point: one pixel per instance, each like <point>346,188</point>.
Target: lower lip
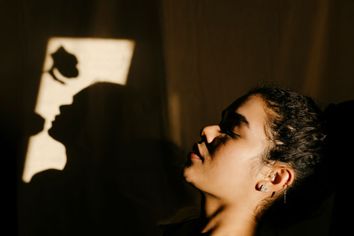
<point>55,119</point>
<point>194,156</point>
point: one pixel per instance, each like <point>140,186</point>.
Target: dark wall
<point>12,65</point>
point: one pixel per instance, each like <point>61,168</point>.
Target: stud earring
<point>263,188</point>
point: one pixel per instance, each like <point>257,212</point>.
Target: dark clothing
<point>187,228</point>
<point>186,222</point>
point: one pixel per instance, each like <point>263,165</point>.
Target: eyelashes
<point>227,124</point>
<point>231,134</point>
<point>221,139</point>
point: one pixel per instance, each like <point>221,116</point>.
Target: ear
<point>279,178</point>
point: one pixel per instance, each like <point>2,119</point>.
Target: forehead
<point>253,109</point>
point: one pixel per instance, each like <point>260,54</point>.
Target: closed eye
<point>230,133</point>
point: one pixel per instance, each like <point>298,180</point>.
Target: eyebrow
<point>242,119</point>
<point>237,117</point>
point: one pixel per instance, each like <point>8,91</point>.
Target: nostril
<point>202,139</point>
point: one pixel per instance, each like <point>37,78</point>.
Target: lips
<point>56,118</point>
<point>195,150</point>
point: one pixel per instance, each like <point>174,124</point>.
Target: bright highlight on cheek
<point>70,65</point>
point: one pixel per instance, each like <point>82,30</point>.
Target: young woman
<point>268,142</point>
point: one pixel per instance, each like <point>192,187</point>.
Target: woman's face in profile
<point>66,124</point>
<point>228,160</point>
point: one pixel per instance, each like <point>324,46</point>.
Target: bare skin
<point>231,174</point>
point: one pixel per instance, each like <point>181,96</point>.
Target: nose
<point>210,132</point>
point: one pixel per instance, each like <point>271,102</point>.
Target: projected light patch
<point>70,65</point>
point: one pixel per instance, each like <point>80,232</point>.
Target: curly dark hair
<point>295,127</point>
<point>297,130</point>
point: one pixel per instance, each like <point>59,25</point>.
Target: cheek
<point>235,165</point>
<point>230,179</point>
<point>231,167</point>
<point>231,170</point>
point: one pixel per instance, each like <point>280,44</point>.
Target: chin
<point>191,177</point>
<point>188,174</point>
<point>52,132</point>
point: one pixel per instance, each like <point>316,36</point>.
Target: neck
<point>227,218</point>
